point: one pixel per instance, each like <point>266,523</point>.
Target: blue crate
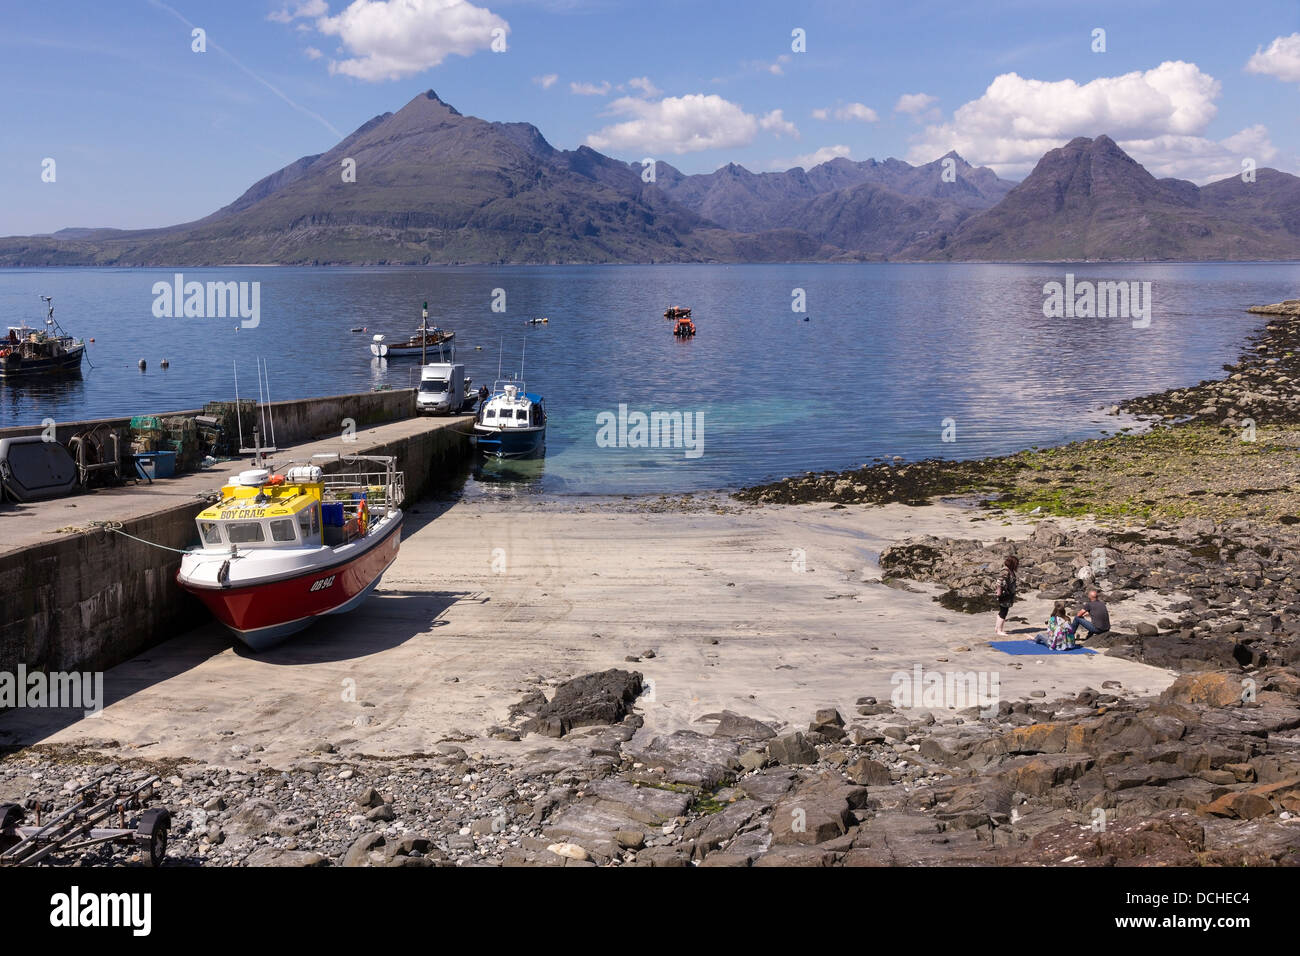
<point>156,464</point>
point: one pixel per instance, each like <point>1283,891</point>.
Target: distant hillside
<point>1091,200</point>
<point>877,208</point>
<point>433,186</point>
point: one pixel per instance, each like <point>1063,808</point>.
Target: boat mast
<point>424,333</point>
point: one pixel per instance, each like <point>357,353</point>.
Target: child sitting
<point>1060,635</point>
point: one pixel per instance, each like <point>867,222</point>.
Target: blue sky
<point>146,132</point>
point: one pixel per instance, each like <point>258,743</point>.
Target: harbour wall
<point>87,599</point>
<point>296,420</point>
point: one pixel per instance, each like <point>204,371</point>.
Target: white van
<point>444,389</point>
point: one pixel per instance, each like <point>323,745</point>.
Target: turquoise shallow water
<point>887,354</point>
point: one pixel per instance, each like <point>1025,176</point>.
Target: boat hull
<point>15,366</point>
<point>510,442</point>
<point>262,613</point>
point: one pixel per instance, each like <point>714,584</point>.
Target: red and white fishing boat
<point>282,549</point>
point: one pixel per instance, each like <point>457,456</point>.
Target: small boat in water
<point>421,343</point>
<point>677,312</point>
<point>684,328</point>
<point>25,351</point>
<point>425,340</point>
<point>511,422</point>
<point>282,549</point>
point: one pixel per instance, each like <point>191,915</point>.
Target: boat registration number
<point>324,583</point>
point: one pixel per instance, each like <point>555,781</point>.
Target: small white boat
<point>511,423</point>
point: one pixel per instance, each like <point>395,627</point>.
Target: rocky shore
<point>1207,773</point>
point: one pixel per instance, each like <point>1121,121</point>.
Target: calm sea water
<point>883,356</point>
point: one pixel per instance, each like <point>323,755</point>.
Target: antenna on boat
<point>264,415</point>
<point>261,401</point>
<point>270,412</point>
<point>239,419</point>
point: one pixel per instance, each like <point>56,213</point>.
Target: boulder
<point>745,728</point>
<point>1216,689</point>
<point>792,749</point>
<point>590,700</point>
<point>868,773</point>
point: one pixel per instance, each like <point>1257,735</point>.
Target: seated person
<point>1093,616</point>
<point>1060,632</point>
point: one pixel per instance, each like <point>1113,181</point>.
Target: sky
<point>147,124</point>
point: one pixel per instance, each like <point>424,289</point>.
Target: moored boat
<point>511,422</point>
<point>25,351</point>
<point>280,550</point>
<point>433,340</point>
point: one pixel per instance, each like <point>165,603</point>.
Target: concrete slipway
<point>491,596</point>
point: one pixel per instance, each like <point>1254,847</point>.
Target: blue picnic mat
<point>1022,648</point>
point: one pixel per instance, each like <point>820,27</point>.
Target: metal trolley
<point>88,823</point>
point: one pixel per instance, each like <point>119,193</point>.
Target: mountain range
<point>433,186</point>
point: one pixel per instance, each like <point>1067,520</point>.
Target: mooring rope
<point>116,527</point>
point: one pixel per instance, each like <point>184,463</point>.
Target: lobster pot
<point>182,437</point>
<point>146,434</point>
<point>226,429</point>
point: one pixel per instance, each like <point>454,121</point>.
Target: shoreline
<point>662,681</point>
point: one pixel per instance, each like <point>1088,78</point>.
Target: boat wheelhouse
<point>511,423</point>
<point>281,549</point>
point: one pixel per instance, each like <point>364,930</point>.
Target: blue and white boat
<point>511,422</point>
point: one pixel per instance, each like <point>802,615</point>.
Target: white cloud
<point>1281,59</point>
<point>857,111</point>
<point>391,39</point>
<point>590,89</point>
<point>643,84</point>
<point>308,8</point>
<point>775,122</point>
<point>815,158</point>
<point>914,103</point>
<point>1159,116</point>
<point>312,53</point>
<point>848,111</point>
<point>547,80</point>
<point>676,124</point>
<point>777,67</point>
<point>1202,160</point>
